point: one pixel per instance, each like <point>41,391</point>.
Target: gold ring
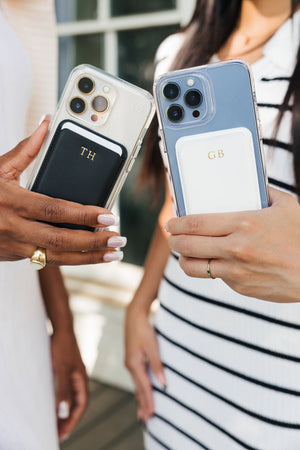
<point>39,259</point>
<point>208,270</point>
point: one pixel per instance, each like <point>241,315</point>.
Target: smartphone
<point>93,139</point>
<point>212,146</point>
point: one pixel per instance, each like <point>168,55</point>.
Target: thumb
<point>13,163</point>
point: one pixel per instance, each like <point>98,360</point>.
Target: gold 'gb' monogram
<point>219,154</point>
<point>88,154</point>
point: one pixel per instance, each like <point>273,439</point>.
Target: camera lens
<point>100,103</point>
<point>175,113</point>
<point>77,105</point>
<point>171,91</point>
<point>85,85</point>
<point>193,98</point>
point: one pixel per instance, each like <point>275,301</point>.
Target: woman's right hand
<point>23,213</point>
<point>141,351</point>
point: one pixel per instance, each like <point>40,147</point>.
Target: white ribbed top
<point>27,90</point>
<point>35,24</point>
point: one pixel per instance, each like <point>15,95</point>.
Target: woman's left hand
<point>257,253</point>
<point>70,381</point>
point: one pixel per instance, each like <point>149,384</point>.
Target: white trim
<point>111,52</point>
<point>186,10</point>
<point>103,9</point>
<point>132,22</point>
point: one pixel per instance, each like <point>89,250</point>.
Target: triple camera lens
<point>78,104</point>
<point>192,98</point>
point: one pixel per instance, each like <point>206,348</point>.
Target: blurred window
<point>70,10</point>
<point>108,34</point>
<point>74,50</point>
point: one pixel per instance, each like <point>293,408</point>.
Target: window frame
<point>109,26</point>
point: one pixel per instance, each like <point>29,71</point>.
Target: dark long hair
<point>210,26</point>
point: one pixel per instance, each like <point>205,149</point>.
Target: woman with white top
<point>30,408</point>
<point>225,365</point>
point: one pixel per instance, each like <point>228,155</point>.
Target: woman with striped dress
<point>225,365</point>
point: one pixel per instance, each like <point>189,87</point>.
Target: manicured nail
<point>141,417</point>
<point>113,256</point>
<point>108,219</point>
<point>116,241</point>
<point>65,437</point>
<point>63,410</point>
<point>166,228</point>
<point>45,117</point>
<point>160,376</point>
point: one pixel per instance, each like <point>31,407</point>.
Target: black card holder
<point>80,166</point>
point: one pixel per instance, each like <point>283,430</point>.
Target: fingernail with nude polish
<point>113,256</point>
<point>65,438</point>
<point>108,219</point>
<point>45,117</point>
<point>166,227</point>
<point>160,376</point>
<point>63,410</point>
<point>116,242</point>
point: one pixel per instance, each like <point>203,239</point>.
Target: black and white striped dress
<point>232,362</point>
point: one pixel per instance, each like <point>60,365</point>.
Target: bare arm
<point>56,299</point>
<point>68,368</point>
<point>156,260</point>
<point>140,338</point>
<point>153,271</point>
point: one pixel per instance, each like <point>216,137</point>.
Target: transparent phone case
<point>213,150</point>
<point>124,118</point>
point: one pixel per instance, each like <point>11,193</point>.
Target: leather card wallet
<point>80,166</point>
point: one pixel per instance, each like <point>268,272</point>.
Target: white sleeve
<point>167,52</point>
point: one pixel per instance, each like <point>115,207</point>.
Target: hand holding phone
<point>93,139</point>
<point>23,215</point>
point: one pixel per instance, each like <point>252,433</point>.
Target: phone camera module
<point>100,104</point>
<point>175,113</point>
<point>86,85</point>
<point>171,91</point>
<point>193,98</point>
<point>77,105</point>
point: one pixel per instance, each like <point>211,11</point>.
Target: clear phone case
<point>110,108</point>
<point>211,139</point>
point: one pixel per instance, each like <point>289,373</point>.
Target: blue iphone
<point>211,139</point>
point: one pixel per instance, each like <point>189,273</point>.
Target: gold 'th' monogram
<point>88,154</point>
